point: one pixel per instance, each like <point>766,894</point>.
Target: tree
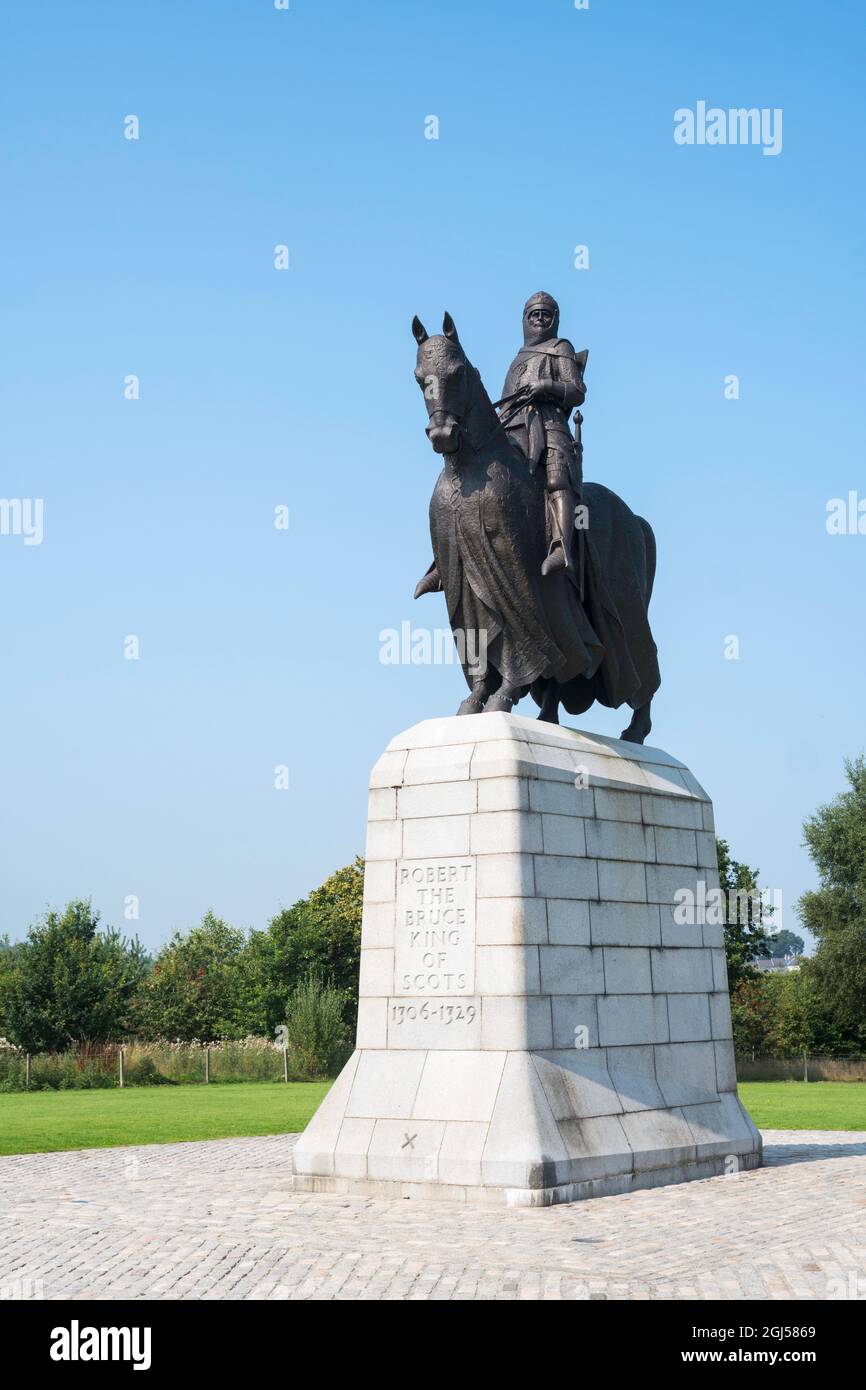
<point>8,952</point>
<point>320,936</point>
<point>69,983</point>
<point>197,990</point>
<point>802,1021</point>
<point>751,1016</point>
<point>786,943</point>
<point>745,930</point>
<point>835,912</point>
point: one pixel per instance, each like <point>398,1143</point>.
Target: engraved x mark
<point>410,1141</point>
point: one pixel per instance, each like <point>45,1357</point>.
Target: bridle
<point>516,401</point>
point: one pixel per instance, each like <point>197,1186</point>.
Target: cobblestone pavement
<point>219,1220</point>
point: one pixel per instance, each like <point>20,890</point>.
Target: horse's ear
<point>419,331</point>
<point>449,328</point>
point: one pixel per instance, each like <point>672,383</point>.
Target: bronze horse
<point>564,641</point>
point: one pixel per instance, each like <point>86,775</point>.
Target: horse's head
<point>447,378</point>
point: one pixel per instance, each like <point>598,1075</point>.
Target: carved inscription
<point>435,938</point>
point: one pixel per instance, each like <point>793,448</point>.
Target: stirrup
<point>557,560</point>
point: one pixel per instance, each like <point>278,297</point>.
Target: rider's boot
<point>560,556</point>
<point>430,583</point>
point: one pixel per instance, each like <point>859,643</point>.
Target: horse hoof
<point>470,706</point>
<point>634,735</point>
<point>499,704</point>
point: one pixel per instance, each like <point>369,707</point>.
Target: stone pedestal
<point>535,1024</point>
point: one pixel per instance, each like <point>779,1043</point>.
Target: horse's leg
<point>550,704</point>
<point>640,724</point>
<point>503,700</point>
<point>479,694</point>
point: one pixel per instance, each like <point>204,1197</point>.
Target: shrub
<point>317,1037</point>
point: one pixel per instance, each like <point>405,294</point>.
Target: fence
<point>806,1067</point>
<point>103,1066</point>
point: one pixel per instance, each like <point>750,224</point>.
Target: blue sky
<point>260,387</point>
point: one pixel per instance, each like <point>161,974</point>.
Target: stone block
<point>561,798</point>
<point>378,924</point>
<point>353,1141</point>
<point>689,1016</point>
<point>377,972</point>
<point>676,846</point>
<point>662,1137</point>
<point>384,1086</point>
<point>680,812</point>
<point>676,933</point>
<point>617,806</point>
<point>568,922</point>
<point>405,1150</point>
<point>575,1020</point>
<point>384,840</point>
<point>680,970</point>
<point>436,835</point>
<point>577,1083</point>
<point>686,1072</point>
<point>506,876</point>
<point>666,883</point>
<point>458,1086</point>
<point>624,924</point>
<point>720,1015</point>
<point>524,1146</point>
<point>565,876</point>
<point>625,1019</point>
<point>627,970</point>
<point>388,771</point>
<point>372,1023</point>
<point>380,881</point>
<point>437,799</point>
<point>503,794</point>
<point>511,921</point>
<point>571,970</point>
<point>511,1023</point>
<point>621,882</point>
<point>633,1073</point>
<point>439,764</point>
<point>607,839</point>
<point>563,835</point>
<point>460,1153</point>
<point>382,804</point>
<point>503,832</point>
<point>726,1070</point>
<point>507,969</point>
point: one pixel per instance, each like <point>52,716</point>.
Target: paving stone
<point>794,1228</point>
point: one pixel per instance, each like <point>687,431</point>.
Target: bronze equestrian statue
<point>552,575</point>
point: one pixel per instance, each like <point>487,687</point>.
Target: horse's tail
<point>650,543</point>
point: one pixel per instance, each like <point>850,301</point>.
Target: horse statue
<point>563,641</point>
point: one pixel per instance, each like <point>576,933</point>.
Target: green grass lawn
<point>805,1105</point>
<point>47,1121</point>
